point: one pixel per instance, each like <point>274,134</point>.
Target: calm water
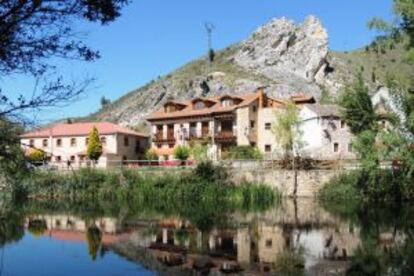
<point>43,238</point>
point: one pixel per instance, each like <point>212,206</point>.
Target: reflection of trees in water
<point>37,227</point>
<point>94,238</point>
<point>387,237</point>
<point>11,226</point>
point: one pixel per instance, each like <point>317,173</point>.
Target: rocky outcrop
<point>281,49</point>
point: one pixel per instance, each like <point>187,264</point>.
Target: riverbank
<point>204,185</point>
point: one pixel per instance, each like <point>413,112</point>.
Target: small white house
<point>323,134</point>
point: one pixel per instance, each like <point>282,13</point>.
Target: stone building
<point>221,122</point>
<point>323,134</point>
<point>69,142</point>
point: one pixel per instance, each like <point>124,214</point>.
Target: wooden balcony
<point>225,136</point>
<point>159,140</point>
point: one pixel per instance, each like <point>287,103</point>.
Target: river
<point>293,236</point>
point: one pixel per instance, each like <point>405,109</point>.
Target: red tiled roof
<point>188,111</point>
<point>81,129</point>
<point>78,236</point>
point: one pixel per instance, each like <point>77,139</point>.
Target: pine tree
<point>94,150</point>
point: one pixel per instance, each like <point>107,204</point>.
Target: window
<point>31,143</point>
<point>73,142</point>
<point>199,105</point>
<point>86,141</point>
<point>126,141</point>
<point>103,141</point>
<point>58,159</point>
<point>227,102</point>
<point>45,143</point>
<point>268,126</point>
<point>252,124</point>
<point>350,147</point>
<point>72,158</point>
<point>268,148</point>
<point>335,147</point>
<point>137,146</point>
<point>269,243</point>
<point>254,108</point>
<point>342,124</point>
<point>59,142</point>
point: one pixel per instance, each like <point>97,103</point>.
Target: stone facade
<point>308,182</point>
<point>323,134</point>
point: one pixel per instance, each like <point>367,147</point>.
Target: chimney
<point>262,96</point>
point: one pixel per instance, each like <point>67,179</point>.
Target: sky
<point>154,37</point>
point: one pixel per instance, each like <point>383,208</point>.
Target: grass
<point>206,186</point>
<point>391,59</point>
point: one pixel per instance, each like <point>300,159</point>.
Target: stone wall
<point>309,182</point>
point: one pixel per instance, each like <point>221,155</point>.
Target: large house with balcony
<point>222,121</point>
<point>69,142</point>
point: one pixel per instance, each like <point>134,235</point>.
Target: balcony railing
<point>225,136</point>
<point>159,140</point>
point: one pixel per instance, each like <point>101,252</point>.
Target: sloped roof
<point>81,129</point>
<point>325,110</point>
<point>188,111</point>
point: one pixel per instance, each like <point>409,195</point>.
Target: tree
<point>94,150</point>
<point>358,111</point>
<point>105,101</point>
<point>32,32</point>
<point>12,160</point>
<point>94,238</point>
<point>285,129</point>
<point>211,55</point>
<point>403,24</point>
<point>287,134</point>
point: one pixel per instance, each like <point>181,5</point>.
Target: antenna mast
<point>209,30</point>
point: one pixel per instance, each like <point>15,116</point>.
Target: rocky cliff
<point>285,57</point>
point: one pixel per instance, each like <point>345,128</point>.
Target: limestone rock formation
<point>285,57</point>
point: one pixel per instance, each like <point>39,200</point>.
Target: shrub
<point>151,155</point>
<point>199,151</point>
<point>243,153</point>
<point>341,188</point>
<point>36,155</point>
<point>182,152</point>
<point>290,263</point>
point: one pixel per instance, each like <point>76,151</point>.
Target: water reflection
<point>296,237</point>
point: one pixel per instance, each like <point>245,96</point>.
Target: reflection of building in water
<point>72,228</point>
<point>271,242</point>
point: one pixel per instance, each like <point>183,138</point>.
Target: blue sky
<point>153,37</point>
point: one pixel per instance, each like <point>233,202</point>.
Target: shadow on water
<point>292,237</point>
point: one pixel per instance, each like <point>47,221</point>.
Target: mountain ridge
<point>285,57</point>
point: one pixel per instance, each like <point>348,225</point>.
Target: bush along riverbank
<point>375,186</point>
<point>205,184</point>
